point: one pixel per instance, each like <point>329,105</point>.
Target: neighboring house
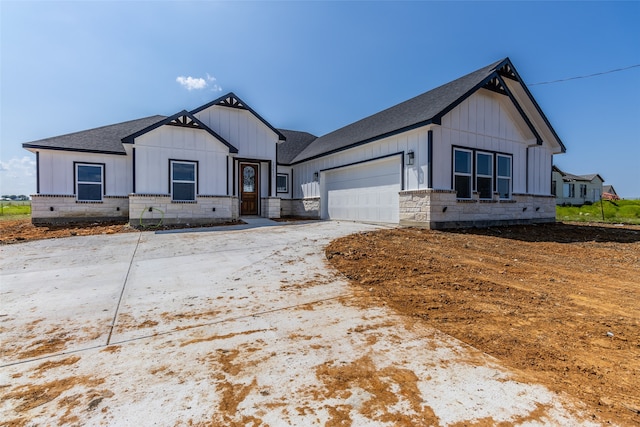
<point>609,193</point>
<point>474,152</point>
<point>572,189</point>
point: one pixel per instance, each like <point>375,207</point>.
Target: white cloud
<point>18,176</point>
<point>197,83</point>
<point>191,83</point>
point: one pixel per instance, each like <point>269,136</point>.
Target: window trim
<point>509,178</point>
<point>495,177</point>
<point>469,175</point>
<point>77,182</point>
<point>195,177</point>
<point>286,187</point>
<point>490,176</point>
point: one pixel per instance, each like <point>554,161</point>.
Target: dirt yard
<point>559,303</point>
<point>21,230</point>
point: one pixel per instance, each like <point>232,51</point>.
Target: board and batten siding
<point>484,121</point>
<point>415,176</point>
<point>57,172</point>
<point>252,138</point>
<point>489,121</point>
<point>156,148</point>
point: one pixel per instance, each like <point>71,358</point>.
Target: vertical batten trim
<point>430,159</point>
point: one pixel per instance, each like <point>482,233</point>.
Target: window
<point>503,176</point>
<point>553,188</point>
<point>462,173</point>
<point>282,183</point>
<point>583,190</point>
<point>569,190</point>
<point>484,175</point>
<point>183,180</point>
<point>89,182</point>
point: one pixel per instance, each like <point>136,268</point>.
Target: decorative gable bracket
<point>233,102</point>
<point>184,121</point>
<point>495,85</point>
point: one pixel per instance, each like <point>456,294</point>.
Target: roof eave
<point>563,149</point>
<point>365,141</point>
<point>80,150</point>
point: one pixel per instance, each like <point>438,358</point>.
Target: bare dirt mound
<point>557,302</point>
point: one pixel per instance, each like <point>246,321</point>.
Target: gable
<point>183,119</point>
<point>209,113</point>
<point>489,113</point>
<point>430,108</point>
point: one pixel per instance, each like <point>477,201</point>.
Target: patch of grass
<point>15,210</point>
<point>618,211</point>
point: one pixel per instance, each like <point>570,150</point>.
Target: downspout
<point>37,172</point>
<point>133,174</point>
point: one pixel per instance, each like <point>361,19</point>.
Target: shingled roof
<point>105,139</point>
<point>569,177</point>
<point>295,143</point>
<point>422,110</point>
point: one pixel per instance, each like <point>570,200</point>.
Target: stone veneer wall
<point>65,209</point>
<point>304,208</point>
<point>270,207</point>
<point>155,209</point>
<point>441,209</point>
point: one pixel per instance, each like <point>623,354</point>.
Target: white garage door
<point>364,192</point>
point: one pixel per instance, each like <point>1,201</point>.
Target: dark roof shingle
<point>295,143</point>
<point>105,139</point>
<point>415,112</point>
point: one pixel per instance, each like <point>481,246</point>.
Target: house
<point>570,189</point>
<point>474,152</point>
<point>609,193</point>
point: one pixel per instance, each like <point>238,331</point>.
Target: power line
<point>585,77</point>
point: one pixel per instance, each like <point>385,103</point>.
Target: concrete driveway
<point>233,327</point>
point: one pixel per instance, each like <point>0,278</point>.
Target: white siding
<point>304,185</point>
<point>57,173</point>
<point>156,148</point>
<point>243,130</point>
<point>490,121</point>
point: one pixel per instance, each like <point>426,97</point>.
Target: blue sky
<point>314,66</point>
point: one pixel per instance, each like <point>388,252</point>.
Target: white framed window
<point>462,173</point>
<point>503,175</point>
<point>282,183</point>
<point>183,180</point>
<point>484,175</point>
<point>89,182</point>
<point>583,190</point>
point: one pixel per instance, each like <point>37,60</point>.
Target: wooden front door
<point>249,189</point>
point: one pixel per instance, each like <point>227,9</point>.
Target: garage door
<point>364,192</point>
